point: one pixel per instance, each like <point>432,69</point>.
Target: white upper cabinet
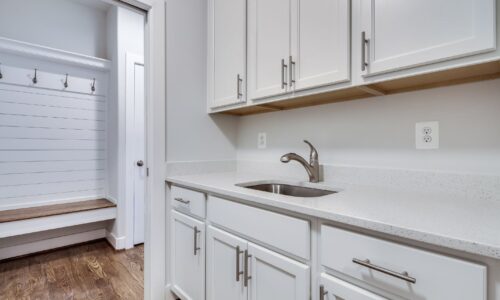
<point>227,52</point>
<point>268,47</point>
<point>320,43</point>
<point>404,34</point>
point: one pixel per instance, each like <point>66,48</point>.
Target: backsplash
<point>474,187</point>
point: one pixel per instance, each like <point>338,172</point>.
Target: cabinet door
<point>401,34</point>
<point>268,47</point>
<point>334,289</point>
<point>188,257</point>
<point>275,277</point>
<point>320,43</point>
<point>225,266</point>
<point>227,52</point>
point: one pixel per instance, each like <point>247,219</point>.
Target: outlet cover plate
<point>427,135</point>
<point>262,140</point>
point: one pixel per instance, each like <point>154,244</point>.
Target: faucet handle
<point>314,153</point>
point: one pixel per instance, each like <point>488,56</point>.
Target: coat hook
<point>35,79</point>
<point>1,75</point>
<point>92,86</point>
<point>66,81</point>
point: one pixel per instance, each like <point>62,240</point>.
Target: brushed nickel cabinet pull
<point>196,248</point>
<point>238,272</point>
<point>291,70</point>
<point>322,292</point>
<point>364,43</point>
<point>182,200</point>
<point>239,80</point>
<point>246,277</point>
<point>403,276</point>
<point>283,72</point>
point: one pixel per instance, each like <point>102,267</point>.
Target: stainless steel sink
<point>289,189</point>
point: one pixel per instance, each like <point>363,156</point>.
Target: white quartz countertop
<point>463,224</point>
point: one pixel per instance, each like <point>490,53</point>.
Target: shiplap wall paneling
<point>52,138</point>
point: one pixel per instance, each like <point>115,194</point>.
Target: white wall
<point>127,30</point>
<point>192,135</point>
<point>61,24</point>
<point>380,132</point>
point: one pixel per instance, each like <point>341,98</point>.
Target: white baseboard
<point>52,243</point>
<point>117,242</point>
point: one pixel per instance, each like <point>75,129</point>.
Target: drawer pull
<point>322,292</point>
<point>366,263</point>
<point>182,200</point>
<point>238,272</point>
<point>246,277</point>
<point>196,248</point>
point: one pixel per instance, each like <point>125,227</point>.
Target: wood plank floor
<point>89,271</point>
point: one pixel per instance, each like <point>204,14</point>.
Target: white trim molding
<point>55,55</point>
<point>117,242</point>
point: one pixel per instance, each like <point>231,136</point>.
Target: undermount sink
<point>289,189</point>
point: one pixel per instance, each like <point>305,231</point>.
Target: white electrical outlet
<point>262,140</point>
<point>427,135</point>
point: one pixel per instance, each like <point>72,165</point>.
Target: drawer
<point>188,201</point>
<point>333,288</point>
<point>287,233</point>
<point>436,276</point>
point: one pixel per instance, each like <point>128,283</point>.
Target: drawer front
<point>332,288</point>
<point>188,201</point>
<point>283,232</point>
<point>436,276</point>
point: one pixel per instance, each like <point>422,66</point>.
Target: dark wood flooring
<point>89,271</point>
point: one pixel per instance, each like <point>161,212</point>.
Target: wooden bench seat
<point>40,218</point>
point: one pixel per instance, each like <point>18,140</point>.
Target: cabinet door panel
<point>417,32</point>
<point>335,289</point>
<point>227,51</point>
<point>269,43</point>
<point>275,277</point>
<point>320,42</point>
<point>188,266</point>
<point>224,264</point>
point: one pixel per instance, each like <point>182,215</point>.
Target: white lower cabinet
<point>237,269</point>
<point>188,257</point>
<point>332,288</point>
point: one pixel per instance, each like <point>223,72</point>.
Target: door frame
<point>131,60</point>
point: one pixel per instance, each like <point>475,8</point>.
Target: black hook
<point>66,81</point>
<point>35,80</point>
<point>1,75</point>
<point>92,86</point>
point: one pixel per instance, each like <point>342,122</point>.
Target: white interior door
<point>334,289</point>
<point>225,266</point>
<point>276,277</point>
<point>188,257</point>
<point>416,32</point>
<point>229,50</point>
<point>269,46</point>
<point>139,153</point>
<point>320,43</point>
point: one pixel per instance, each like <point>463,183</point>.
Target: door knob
<point>140,163</point>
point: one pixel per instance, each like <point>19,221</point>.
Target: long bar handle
<point>238,272</point>
<point>291,70</point>
<point>364,43</point>
<point>196,248</point>
<point>246,277</point>
<point>283,81</point>
<point>239,80</point>
<point>403,276</point>
<point>322,292</point>
<point>182,200</point>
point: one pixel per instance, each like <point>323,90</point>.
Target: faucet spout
<point>312,167</point>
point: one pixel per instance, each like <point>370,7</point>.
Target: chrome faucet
<point>312,167</point>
